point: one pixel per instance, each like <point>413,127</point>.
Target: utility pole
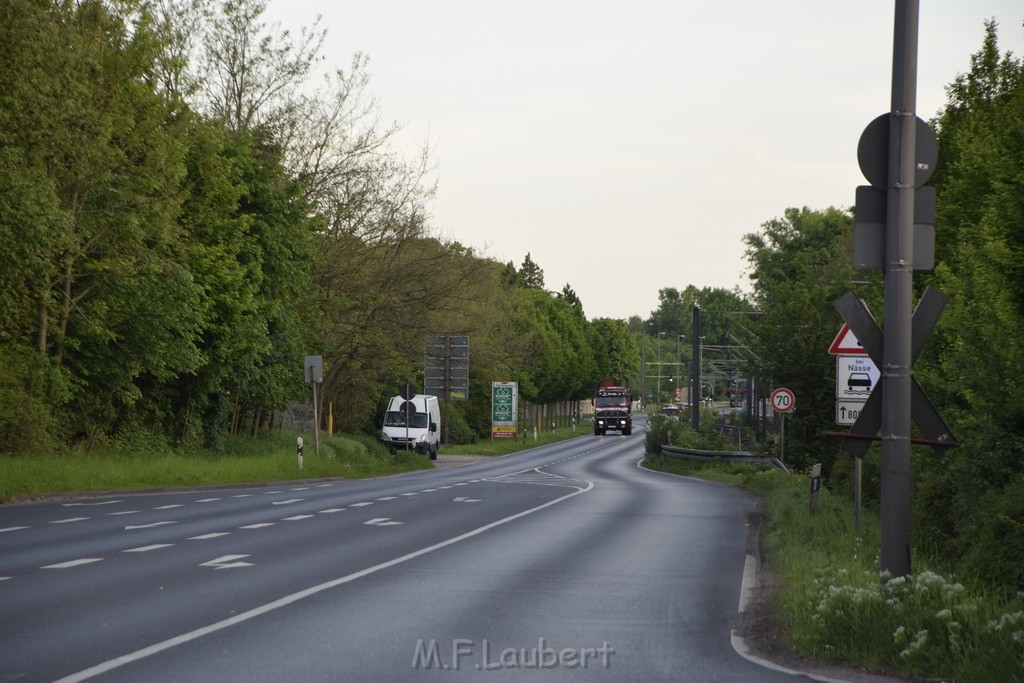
<point>899,255</point>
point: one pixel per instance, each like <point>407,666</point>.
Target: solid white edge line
<point>746,591</point>
<point>112,664</point>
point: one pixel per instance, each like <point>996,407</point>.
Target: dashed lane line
<point>330,511</point>
<point>148,526</point>
<point>204,537</point>
<point>123,512</point>
<point>13,528</point>
<point>147,548</point>
<point>296,518</point>
<point>361,505</point>
<point>72,563</point>
<point>257,526</point>
<point>207,500</point>
<point>168,507</point>
<point>69,520</point>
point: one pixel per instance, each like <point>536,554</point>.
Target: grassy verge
<point>837,607</point>
<point>505,446</point>
<point>270,458</point>
<point>242,461</point>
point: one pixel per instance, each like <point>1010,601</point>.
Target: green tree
<point>531,274</point>
<point>971,495</point>
<point>799,264</point>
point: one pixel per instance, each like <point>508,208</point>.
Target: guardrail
<point>723,456</point>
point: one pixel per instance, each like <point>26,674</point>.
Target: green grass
<point>506,446</point>
<point>837,606</point>
<point>143,464</point>
<point>270,458</point>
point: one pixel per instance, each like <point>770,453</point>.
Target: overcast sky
<point>628,145</point>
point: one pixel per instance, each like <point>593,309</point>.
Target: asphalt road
<point>567,562</point>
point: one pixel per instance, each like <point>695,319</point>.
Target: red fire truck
<point>612,409</point>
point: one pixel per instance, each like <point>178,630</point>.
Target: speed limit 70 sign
<point>783,400</point>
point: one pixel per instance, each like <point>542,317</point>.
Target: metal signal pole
<point>899,253</point>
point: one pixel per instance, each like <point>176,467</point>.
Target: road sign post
<point>783,401</point>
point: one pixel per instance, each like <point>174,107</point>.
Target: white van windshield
<point>393,418</point>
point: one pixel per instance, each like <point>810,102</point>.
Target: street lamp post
<point>679,360</point>
<point>659,366</point>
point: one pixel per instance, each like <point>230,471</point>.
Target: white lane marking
<point>410,494</point>
<point>106,502</point>
<point>270,493</point>
<point>117,662</point>
<point>148,526</point>
<point>428,490</point>
<point>288,502</point>
<point>296,518</point>
<point>463,499</point>
<point>124,512</point>
<point>147,548</point>
<point>461,483</point>
<point>361,505</point>
<point>168,507</point>
<point>323,486</point>
<point>257,526</point>
<point>69,520</point>
<point>330,510</point>
<point>388,498</point>
<point>13,528</point>
<point>227,562</point>
<point>207,500</point>
<point>381,521</point>
<point>440,488</point>
<point>243,495</point>
<point>300,488</point>
<point>215,534</point>
<point>72,563</point>
<point>4,578</point>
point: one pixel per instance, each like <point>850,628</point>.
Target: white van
<point>420,433</point>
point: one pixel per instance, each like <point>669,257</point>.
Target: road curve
<point>562,562</point>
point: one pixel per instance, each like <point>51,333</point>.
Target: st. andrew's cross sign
<point>937,434</point>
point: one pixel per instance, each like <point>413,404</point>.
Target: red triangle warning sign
<point>846,344</point>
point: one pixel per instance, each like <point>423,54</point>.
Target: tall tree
<point>531,274</point>
<point>799,264</point>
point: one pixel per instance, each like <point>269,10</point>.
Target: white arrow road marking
<point>381,521</point>
<point>13,528</point>
<point>148,526</point>
<point>288,502</point>
<point>227,562</point>
<point>257,526</point>
<point>105,502</point>
<point>359,505</point>
<point>330,510</point>
<point>147,548</point>
<point>463,499</point>
<point>69,520</point>
<point>72,563</point>
<point>296,518</point>
<point>168,507</point>
<point>204,537</point>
